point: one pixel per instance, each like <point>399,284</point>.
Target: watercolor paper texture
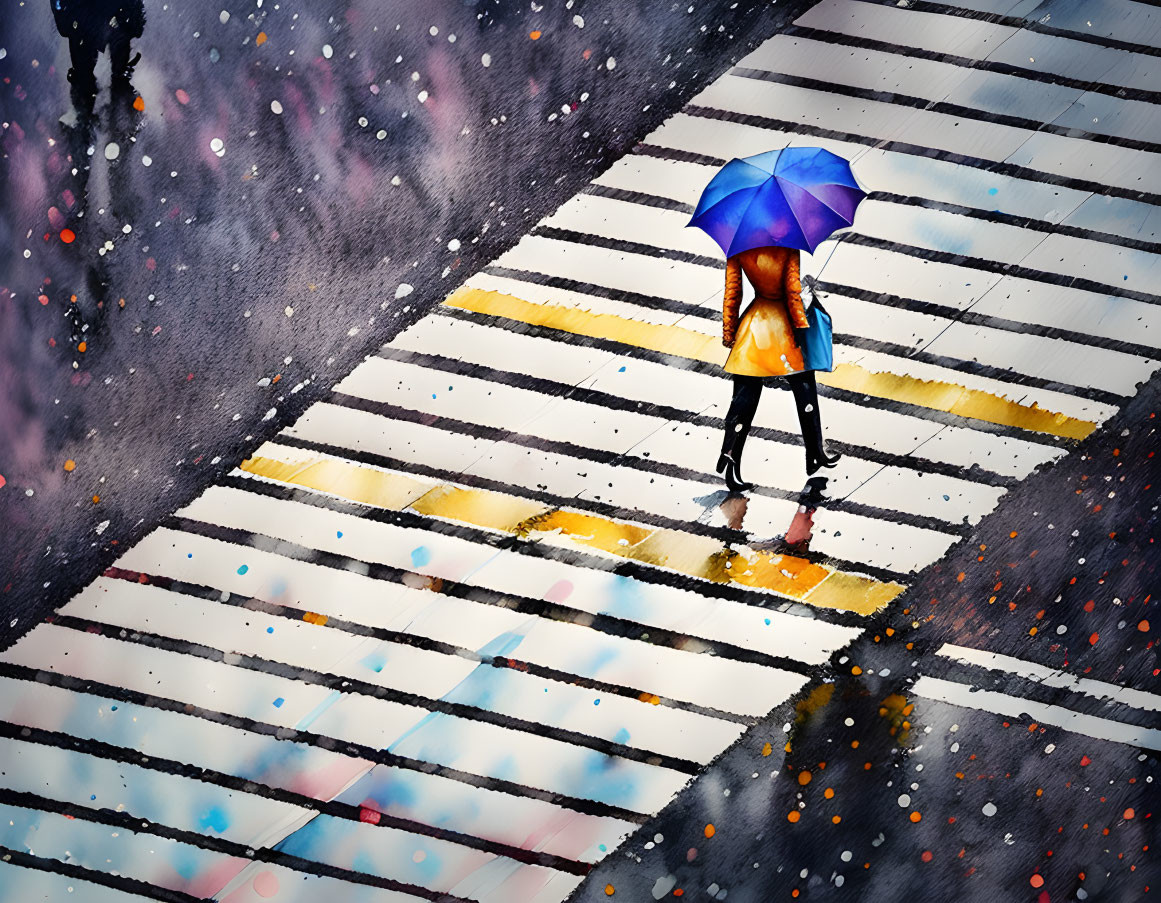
<point>377,377</point>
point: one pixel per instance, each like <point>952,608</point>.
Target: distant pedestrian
<point>93,26</point>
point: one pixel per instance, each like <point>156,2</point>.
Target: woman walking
<point>763,344</point>
<point>762,210</point>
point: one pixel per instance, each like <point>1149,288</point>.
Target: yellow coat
<point>763,342</point>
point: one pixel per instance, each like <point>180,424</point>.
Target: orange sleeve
<point>731,302</point>
<point>793,286</point>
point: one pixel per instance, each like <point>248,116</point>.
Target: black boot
<point>805,392</point>
<point>743,406</point>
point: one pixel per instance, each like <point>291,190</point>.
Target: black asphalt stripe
<point>915,150</point>
<point>1011,377</point>
<point>652,302</point>
<point>918,53</point>
<point>349,685</point>
<point>1003,269</point>
<point>942,107</point>
<point>105,879</point>
<point>637,197</point>
<point>926,6</point>
<point>674,416</point>
<point>1020,222</point>
<point>620,567</point>
<point>601,623</point>
<point>1000,681</point>
<point>944,418</point>
<point>343,747</point>
<point>970,318</point>
<point>126,821</point>
<point>892,349</point>
<point>976,474</point>
<point>623,246</point>
<point>542,672</point>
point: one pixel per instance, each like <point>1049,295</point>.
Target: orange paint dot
<point>535,35</point>
<point>804,778</point>
<point>793,816</point>
<point>261,39</point>
<point>916,817</point>
<point>139,104</point>
<point>83,347</point>
<point>836,819</point>
<point>609,890</point>
<point>1036,880</point>
<point>1013,535</point>
<point>96,498</point>
<point>710,830</point>
<point>1143,626</point>
<point>70,465</point>
<point>856,670</point>
<point>829,793</point>
<point>68,236</point>
<point>767,749</point>
<point>1130,814</point>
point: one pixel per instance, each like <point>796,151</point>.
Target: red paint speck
<point>182,96</point>
<point>68,236</point>
<point>1085,761</point>
<point>927,856</point>
<point>1093,639</point>
<point>370,816</point>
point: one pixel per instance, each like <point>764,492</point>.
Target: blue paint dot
<point>278,702</point>
<point>433,395</point>
<point>93,797</point>
<point>270,630</point>
<point>243,569</point>
<point>767,620</point>
<point>339,534</point>
<point>420,556</point>
<point>622,370</point>
<point>1126,277</point>
<point>947,498</point>
<point>596,702</point>
<point>601,847</point>
<point>189,555</point>
<point>993,191</point>
<point>112,708</point>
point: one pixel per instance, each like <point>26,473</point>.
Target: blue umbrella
<point>794,198</point>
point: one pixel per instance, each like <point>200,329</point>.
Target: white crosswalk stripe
<point>465,625</point>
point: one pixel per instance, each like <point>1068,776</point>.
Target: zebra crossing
<point>468,623</point>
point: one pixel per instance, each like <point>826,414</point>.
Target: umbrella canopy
<point>794,198</point>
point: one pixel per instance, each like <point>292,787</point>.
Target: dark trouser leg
<point>743,406</point>
<point>83,74</point>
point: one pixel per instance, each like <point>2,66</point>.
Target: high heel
<point>820,460</point>
<point>731,470</point>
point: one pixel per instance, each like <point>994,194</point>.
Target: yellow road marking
<point>703,557</point>
<point>680,342</point>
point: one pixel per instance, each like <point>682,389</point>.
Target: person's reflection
<point>93,26</point>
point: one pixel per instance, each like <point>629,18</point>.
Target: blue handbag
<point>817,342</point>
